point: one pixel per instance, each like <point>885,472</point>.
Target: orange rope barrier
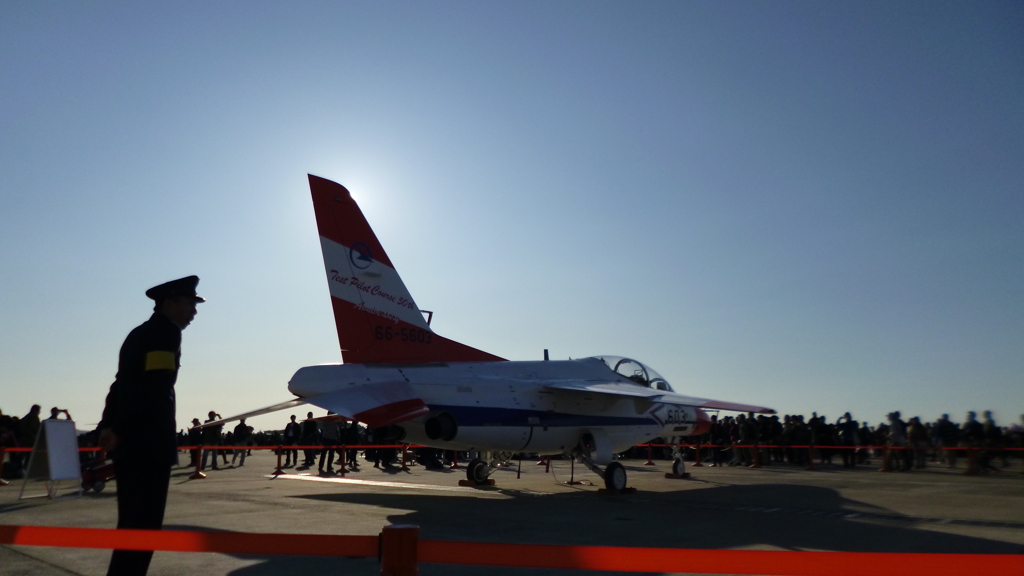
<point>779,563</point>
<point>604,558</point>
<point>180,541</point>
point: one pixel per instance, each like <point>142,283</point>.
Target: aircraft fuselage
<point>507,406</point>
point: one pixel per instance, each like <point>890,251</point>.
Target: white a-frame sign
<point>54,458</point>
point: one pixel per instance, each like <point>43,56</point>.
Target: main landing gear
<point>478,471</point>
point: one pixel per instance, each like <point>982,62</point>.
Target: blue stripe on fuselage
<point>488,416</point>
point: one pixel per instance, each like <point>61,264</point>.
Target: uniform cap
<point>180,287</point>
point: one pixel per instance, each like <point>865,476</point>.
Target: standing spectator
<point>330,436</point>
<point>748,438</point>
<point>992,440</point>
<point>917,443</point>
<point>973,432</point>
<point>864,438</point>
<point>56,412</point>
<point>292,433</point>
<point>898,442</point>
<point>824,440</point>
<point>241,439</point>
<point>801,439</point>
<point>9,439</point>
<point>949,436</point>
<point>353,437</point>
<point>138,427</point>
<point>764,437</point>
<point>733,438</point>
<point>716,439</point>
<point>309,438</point>
<point>848,431</point>
<point>28,429</point>
<point>211,439</point>
<point>195,438</point>
<point>8,430</point>
<point>972,437</point>
<point>786,439</point>
<point>775,438</point>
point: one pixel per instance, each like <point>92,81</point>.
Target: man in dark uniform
<point>138,428</point>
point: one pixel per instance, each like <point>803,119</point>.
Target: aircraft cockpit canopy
<point>637,372</point>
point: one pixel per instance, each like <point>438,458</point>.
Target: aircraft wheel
<point>615,477</point>
<point>98,486</point>
<point>678,467</point>
<point>477,471</point>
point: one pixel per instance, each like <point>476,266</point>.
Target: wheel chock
<point>685,476</point>
<point>610,492</point>
<point>471,484</point>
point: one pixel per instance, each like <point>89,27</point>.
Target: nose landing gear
<point>615,477</point>
<point>614,474</point>
<point>678,467</point>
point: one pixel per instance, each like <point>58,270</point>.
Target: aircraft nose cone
<point>703,423</point>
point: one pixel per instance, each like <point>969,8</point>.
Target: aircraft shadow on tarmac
<point>779,515</point>
<point>785,516</point>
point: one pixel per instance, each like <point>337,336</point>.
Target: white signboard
<point>54,456</point>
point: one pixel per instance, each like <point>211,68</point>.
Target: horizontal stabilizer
<point>654,395</point>
<point>377,404</point>
<point>276,407</point>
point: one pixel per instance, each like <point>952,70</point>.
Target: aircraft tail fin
<point>378,322</point>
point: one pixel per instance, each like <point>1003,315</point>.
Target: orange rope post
<point>972,461</point>
<point>650,455</point>
<point>341,461</point>
<point>547,465</point>
<point>886,460</point>
<point>697,458</point>
<point>810,458</point>
<point>278,471</point>
<point>198,474</point>
<point>455,460</point>
<point>405,451</point>
<point>755,457</point>
<point>398,551</point>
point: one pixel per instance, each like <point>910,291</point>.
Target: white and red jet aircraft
<point>426,389</point>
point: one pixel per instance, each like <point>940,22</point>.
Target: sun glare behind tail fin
<point>377,319</point>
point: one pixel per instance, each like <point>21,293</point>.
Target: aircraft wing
<point>376,404</point>
<point>282,406</point>
<point>621,389</point>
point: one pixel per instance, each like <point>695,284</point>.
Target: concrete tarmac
<point>777,507</point>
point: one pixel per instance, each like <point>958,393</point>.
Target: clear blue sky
<point>806,205</point>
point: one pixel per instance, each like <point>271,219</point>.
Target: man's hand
<point>108,440</point>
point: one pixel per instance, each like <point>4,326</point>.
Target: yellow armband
<point>160,360</point>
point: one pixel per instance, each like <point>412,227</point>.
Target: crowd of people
<point>749,440</point>
<point>743,440</point>
<point>322,440</point>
